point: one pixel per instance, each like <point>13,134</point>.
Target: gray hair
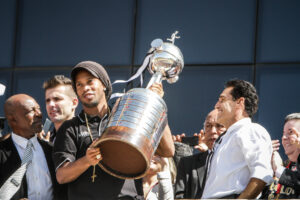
<point>292,116</point>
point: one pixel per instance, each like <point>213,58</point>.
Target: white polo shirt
<point>244,153</point>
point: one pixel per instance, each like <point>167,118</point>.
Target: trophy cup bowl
<point>168,60</point>
<point>139,118</point>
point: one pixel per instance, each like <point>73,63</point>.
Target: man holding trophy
<point>76,149</point>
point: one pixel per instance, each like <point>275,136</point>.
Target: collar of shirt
<point>237,125</point>
<point>22,142</point>
<point>91,119</point>
<point>39,183</point>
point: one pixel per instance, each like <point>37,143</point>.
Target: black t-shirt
<point>71,143</point>
<point>286,192</point>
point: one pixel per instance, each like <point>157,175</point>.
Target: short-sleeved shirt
<point>71,143</point>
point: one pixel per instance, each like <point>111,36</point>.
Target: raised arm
<point>166,146</point>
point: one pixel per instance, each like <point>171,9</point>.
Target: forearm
<point>254,187</point>
<point>70,171</point>
<point>166,146</point>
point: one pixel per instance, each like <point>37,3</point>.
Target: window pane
<point>211,31</point>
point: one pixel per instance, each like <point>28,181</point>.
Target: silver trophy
<point>139,117</point>
<point>166,63</point>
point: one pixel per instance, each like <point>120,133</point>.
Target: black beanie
<point>97,71</point>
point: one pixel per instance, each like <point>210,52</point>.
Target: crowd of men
<point>236,157</point>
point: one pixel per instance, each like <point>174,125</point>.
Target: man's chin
<point>292,155</point>
<point>91,104</point>
<point>210,144</point>
<point>38,129</point>
<point>57,120</point>
<point>293,158</point>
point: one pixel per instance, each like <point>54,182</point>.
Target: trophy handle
<point>156,78</point>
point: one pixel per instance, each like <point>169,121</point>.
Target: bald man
<point>189,182</point>
<point>25,120</point>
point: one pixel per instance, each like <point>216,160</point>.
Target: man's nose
<point>38,112</point>
<point>214,130</point>
<point>86,87</point>
<point>284,137</point>
<point>217,105</point>
<point>51,103</point>
<point>215,136</point>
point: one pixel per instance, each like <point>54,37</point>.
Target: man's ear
<point>241,101</point>
<point>75,103</point>
<point>11,120</point>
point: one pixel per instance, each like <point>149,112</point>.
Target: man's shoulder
<point>68,130</point>
<point>7,149</point>
<point>253,128</point>
<point>255,133</point>
<point>261,132</point>
<point>74,122</point>
<point>6,143</point>
<point>258,127</point>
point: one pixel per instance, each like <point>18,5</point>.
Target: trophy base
<point>126,153</point>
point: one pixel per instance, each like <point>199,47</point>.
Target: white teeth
<point>88,95</point>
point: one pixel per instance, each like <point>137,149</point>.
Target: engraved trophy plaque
<point>139,117</point>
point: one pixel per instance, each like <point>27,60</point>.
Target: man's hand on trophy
<point>157,88</point>
<point>93,154</point>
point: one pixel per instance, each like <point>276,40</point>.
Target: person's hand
<point>93,154</point>
<point>202,142</point>
<point>178,138</point>
<point>295,137</point>
<point>157,88</point>
<point>275,145</point>
<point>161,162</point>
<point>42,136</point>
<point>276,161</point>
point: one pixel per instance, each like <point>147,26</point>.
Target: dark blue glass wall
<point>255,40</point>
